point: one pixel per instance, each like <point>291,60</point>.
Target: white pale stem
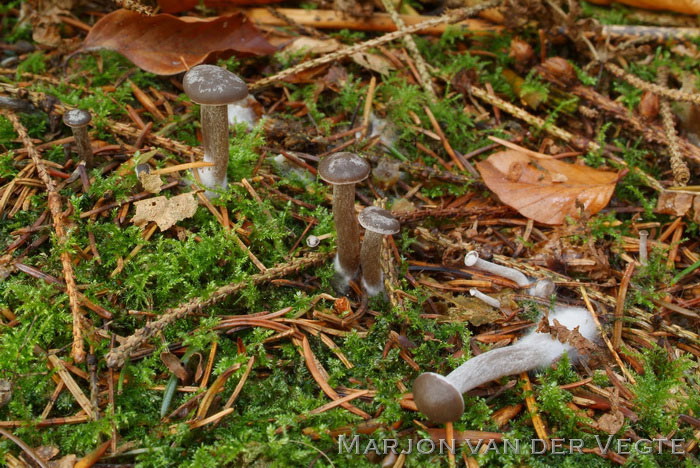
<point>472,259</point>
<point>495,364</point>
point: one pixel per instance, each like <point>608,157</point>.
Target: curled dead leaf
<point>165,212</point>
<point>174,365</point>
<point>546,190</point>
<point>166,45</point>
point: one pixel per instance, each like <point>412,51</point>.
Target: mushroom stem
<point>440,397</point>
<point>370,258</point>
<point>215,142</point>
<point>493,302</point>
<point>347,230</point>
<point>643,247</point>
<point>82,145</point>
<point>472,260</point>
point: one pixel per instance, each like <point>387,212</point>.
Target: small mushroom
<point>440,397</point>
<point>213,88</point>
<point>343,170</point>
<point>486,299</point>
<point>314,241</point>
<point>378,223</point>
<point>78,120</point>
<point>541,288</point>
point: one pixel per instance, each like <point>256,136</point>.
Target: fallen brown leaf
<point>546,190</point>
<point>674,203</point>
<point>166,45</point>
<point>691,7</point>
<point>165,212</point>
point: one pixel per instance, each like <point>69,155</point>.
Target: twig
<point>660,89</point>
<point>450,17</point>
<point>620,305</point>
<point>54,202</point>
<point>118,356</point>
<point>27,449</point>
<point>137,6</point>
<point>681,174</point>
<point>423,75</point>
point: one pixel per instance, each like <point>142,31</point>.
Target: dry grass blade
<point>314,368</point>
<point>215,388</point>
<point>72,386</point>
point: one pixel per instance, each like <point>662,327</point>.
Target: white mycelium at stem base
<point>440,397</point>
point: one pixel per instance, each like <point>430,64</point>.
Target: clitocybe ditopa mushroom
<point>440,397</point>
<point>78,120</point>
<point>377,223</point>
<point>539,288</point>
<point>343,170</point>
<point>213,88</point>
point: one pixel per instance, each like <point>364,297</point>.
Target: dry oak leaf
<point>546,190</point>
<point>691,7</point>
<point>166,45</point>
<point>165,212</point>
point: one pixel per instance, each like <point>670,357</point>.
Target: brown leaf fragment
<point>696,209</point>
<point>150,182</point>
<point>166,45</point>
<point>614,420</point>
<point>44,17</point>
<point>546,190</point>
<point>564,335</point>
<point>165,212</point>
<point>68,461</point>
<point>674,203</point>
<point>174,365</point>
<point>611,422</point>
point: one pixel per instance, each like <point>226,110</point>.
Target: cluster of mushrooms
<point>343,170</point>
<point>438,397</point>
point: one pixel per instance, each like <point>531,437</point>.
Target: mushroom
<point>343,170</point>
<point>314,241</point>
<point>643,247</point>
<point>378,223</point>
<point>214,88</point>
<point>541,288</point>
<point>440,397</point>
<point>78,120</point>
<point>492,301</point>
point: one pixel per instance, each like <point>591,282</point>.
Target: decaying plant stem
<point>421,66</point>
<point>681,174</point>
<point>54,203</point>
<point>118,356</point>
<point>661,89</point>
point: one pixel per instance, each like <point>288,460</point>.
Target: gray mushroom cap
<point>378,220</point>
<point>213,86</point>
<point>437,398</point>
<point>76,118</point>
<point>343,168</point>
